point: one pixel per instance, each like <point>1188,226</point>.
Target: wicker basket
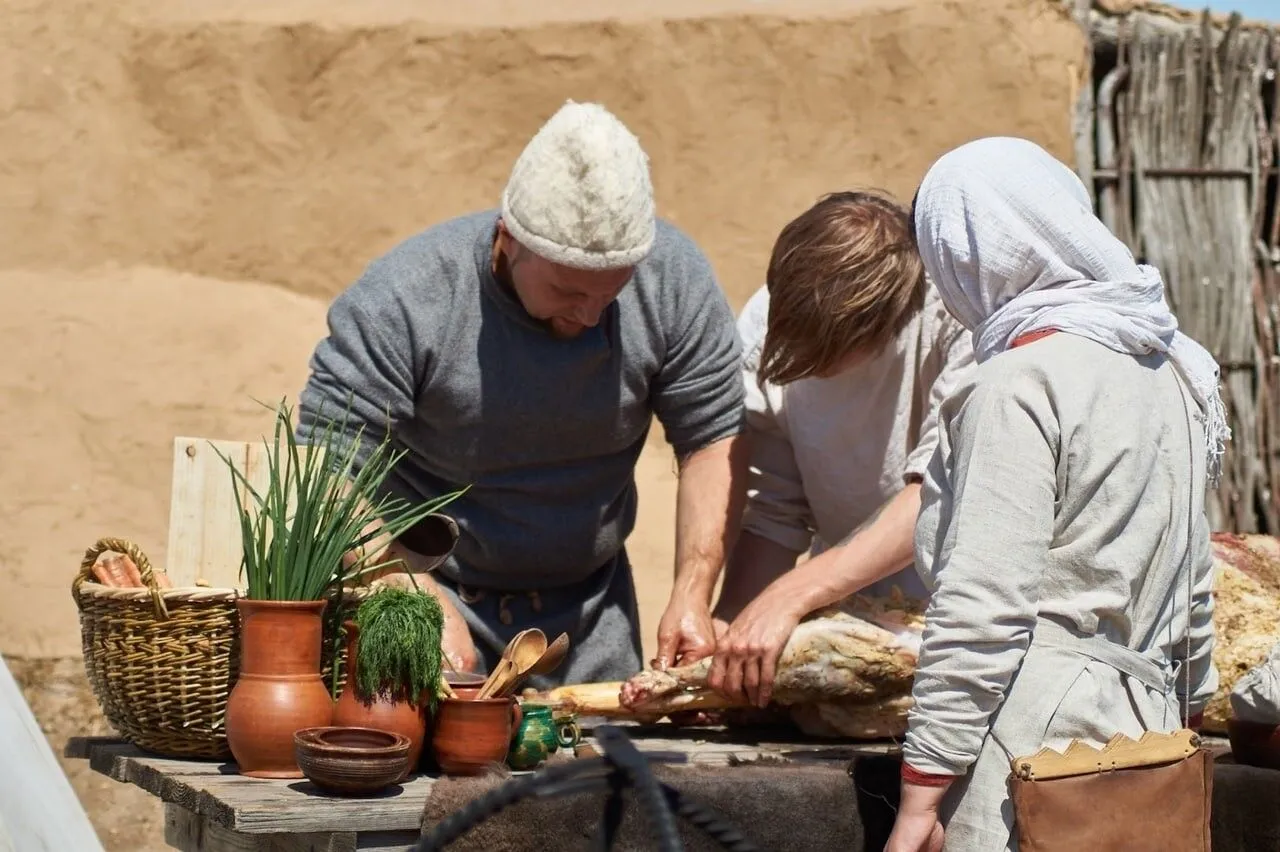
<point>161,662</point>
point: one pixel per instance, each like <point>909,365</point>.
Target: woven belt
<point>474,596</point>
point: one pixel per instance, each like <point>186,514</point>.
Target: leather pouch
<point>1150,795</point>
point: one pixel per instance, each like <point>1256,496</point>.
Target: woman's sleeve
<point>1199,670</point>
<point>996,491</point>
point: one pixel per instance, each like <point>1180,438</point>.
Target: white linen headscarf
<point>1009,237</point>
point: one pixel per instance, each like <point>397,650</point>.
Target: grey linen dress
<point>1055,535</point>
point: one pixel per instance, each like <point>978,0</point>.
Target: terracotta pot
<point>398,717</point>
<point>280,690</point>
<point>470,734</point>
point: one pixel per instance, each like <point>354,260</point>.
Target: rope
<point>621,766</point>
<point>708,821</point>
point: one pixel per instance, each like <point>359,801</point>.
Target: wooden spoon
<point>552,657</point>
<point>499,670</point>
<point>529,649</point>
<point>503,673</point>
<point>526,654</point>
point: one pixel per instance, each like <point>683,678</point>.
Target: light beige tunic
<point>1057,507</point>
<point>827,453</point>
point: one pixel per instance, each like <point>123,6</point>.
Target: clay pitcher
<point>433,537</point>
<point>398,717</point>
<point>279,690</point>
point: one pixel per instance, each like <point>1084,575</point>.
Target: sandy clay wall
<point>181,192</point>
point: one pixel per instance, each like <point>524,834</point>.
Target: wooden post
<point>1084,118</point>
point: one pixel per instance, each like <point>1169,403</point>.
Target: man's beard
<point>564,329</point>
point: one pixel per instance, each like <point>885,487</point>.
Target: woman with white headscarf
<point>1062,530</point>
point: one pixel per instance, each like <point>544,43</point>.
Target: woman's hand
<point>917,828</point>
<point>746,658</point>
<point>915,833</point>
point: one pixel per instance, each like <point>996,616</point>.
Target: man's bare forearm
<point>755,563</point>
<point>708,514</point>
<point>880,549</point>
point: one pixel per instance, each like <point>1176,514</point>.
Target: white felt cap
<point>579,194</point>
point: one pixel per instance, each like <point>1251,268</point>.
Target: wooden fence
<point>1179,137</point>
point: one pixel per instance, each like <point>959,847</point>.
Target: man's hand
<point>691,718</point>
<point>746,658</point>
<point>686,633</point>
<point>456,643</point>
<point>708,506</point>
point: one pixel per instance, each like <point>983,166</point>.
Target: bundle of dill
<point>399,655</point>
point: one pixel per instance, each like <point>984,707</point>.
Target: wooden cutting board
<point>204,521</point>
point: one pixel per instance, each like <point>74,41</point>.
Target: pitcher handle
<point>567,734</point>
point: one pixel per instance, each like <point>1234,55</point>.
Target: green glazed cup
<point>539,735</point>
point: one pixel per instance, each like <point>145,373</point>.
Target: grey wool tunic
<point>545,431</point>
<point>1063,534</point>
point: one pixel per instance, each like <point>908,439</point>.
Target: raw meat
<point>846,671</point>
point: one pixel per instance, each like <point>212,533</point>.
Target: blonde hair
<point>844,278</point>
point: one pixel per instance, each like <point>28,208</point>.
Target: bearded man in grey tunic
<point>522,353</point>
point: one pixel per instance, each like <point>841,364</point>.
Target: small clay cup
<point>464,679</point>
<point>471,734</point>
<point>352,761</point>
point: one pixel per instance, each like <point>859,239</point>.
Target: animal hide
<point>1246,613</point>
<point>846,671</point>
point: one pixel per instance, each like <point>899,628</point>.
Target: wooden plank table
<point>210,808</point>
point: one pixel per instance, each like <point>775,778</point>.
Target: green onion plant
<point>317,508</point>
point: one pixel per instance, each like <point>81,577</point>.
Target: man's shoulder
<point>677,276</point>
<point>430,263</point>
<point>451,241</point>
<point>676,254</point>
<point>670,240</point>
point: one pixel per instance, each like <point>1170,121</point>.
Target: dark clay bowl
<point>351,761</point>
<point>1254,743</point>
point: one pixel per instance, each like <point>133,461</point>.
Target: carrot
<point>110,571</point>
<point>131,572</point>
